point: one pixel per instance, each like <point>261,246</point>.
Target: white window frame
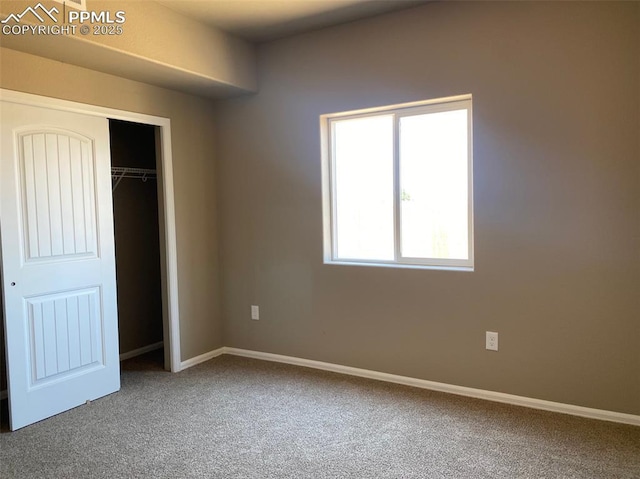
<point>329,187</point>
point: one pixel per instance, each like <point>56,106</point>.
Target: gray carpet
<point>240,418</point>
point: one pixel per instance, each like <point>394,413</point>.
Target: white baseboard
<point>443,387</point>
<point>142,350</point>
<point>418,383</point>
<point>201,359</point>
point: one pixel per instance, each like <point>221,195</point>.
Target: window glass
<point>433,185</point>
<point>364,187</point>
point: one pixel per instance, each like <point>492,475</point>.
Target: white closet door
<point>58,261</point>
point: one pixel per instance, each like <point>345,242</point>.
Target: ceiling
<point>264,20</point>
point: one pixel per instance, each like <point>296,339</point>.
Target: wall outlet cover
<point>492,341</point>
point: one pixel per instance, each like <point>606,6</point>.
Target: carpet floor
<point>234,417</point>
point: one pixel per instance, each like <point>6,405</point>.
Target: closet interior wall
<point>135,211</point>
<point>3,362</point>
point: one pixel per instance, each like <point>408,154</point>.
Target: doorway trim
<point>168,246</point>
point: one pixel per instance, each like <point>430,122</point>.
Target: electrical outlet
<point>492,341</point>
<point>255,312</point>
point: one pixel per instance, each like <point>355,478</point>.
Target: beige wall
<point>192,129</point>
<point>157,46</point>
<point>557,191</point>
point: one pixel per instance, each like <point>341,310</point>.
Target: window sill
<point>468,269</point>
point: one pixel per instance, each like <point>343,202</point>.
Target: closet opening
<point>138,233</point>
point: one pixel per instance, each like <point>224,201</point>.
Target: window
<point>397,185</point>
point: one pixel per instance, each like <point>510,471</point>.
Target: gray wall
<point>557,191</point>
<point>193,146</point>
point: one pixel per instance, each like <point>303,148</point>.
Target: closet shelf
<point>120,172</point>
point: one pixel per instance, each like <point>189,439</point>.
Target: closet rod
<point>120,172</point>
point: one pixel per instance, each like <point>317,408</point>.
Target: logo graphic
<point>34,21</point>
<point>16,17</point>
